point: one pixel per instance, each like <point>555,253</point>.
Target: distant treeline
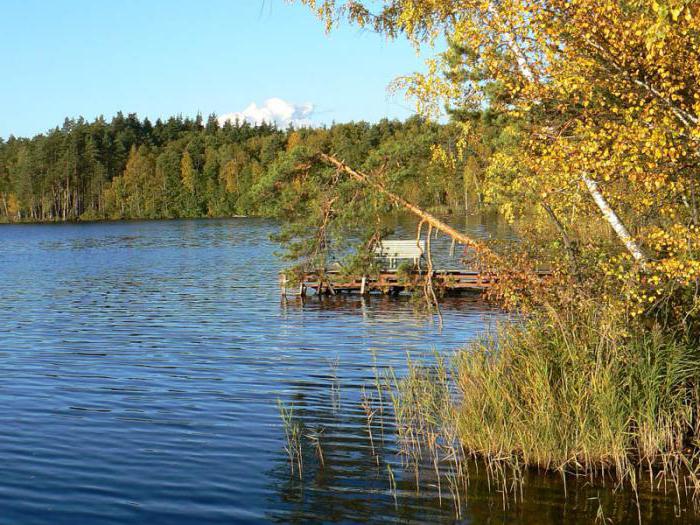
<point>183,167</point>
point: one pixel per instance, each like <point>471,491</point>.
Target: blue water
<point>141,368</point>
<point>142,363</point>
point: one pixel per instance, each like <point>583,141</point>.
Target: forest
<point>130,168</point>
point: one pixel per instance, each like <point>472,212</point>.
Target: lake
<point>142,367</point>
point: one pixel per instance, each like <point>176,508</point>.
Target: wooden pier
<point>387,282</point>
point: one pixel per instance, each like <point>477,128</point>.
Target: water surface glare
<point>142,363</point>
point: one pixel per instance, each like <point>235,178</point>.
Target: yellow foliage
<point>293,140</point>
<point>13,206</point>
<point>229,176</point>
<point>187,173</point>
<point>603,88</point>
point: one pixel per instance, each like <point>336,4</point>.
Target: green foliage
<point>572,391</point>
<point>129,168</point>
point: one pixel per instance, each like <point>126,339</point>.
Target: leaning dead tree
<point>424,216</point>
<point>491,262</point>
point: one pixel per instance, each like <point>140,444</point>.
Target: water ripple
<point>142,363</point>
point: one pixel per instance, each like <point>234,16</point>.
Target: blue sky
<point>160,58</point>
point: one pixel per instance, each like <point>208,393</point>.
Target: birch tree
<point>608,96</point>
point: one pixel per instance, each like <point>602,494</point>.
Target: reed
<point>293,433</point>
<point>333,365</point>
<point>568,391</point>
<point>370,412</point>
<point>314,437</point>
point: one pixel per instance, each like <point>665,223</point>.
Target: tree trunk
<point>568,243</point>
<point>488,259</point>
<point>616,224</point>
<point>431,220</point>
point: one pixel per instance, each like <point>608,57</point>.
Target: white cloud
<point>273,111</point>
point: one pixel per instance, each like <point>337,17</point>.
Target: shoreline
<point>143,219</point>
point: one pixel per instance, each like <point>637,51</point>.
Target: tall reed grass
<point>566,391</point>
<point>573,391</point>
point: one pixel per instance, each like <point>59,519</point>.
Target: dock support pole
<point>363,285</point>
<point>283,284</point>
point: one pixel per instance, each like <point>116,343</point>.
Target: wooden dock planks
<point>391,281</point>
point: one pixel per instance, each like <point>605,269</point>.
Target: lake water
<point>141,368</point>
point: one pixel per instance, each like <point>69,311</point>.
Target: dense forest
<point>182,167</point>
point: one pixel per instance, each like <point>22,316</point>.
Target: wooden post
<point>363,285</point>
<point>283,284</point>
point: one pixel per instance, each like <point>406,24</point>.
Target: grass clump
<point>571,391</point>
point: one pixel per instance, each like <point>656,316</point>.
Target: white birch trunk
<point>622,233</point>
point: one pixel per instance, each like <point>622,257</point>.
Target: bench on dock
<point>398,250</point>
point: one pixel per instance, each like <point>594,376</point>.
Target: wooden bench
<point>397,250</point>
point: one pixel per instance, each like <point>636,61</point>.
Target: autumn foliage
<point>604,104</point>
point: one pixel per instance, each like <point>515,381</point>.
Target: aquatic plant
<point>314,436</point>
<point>293,433</point>
<point>542,395</point>
<point>567,391</point>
